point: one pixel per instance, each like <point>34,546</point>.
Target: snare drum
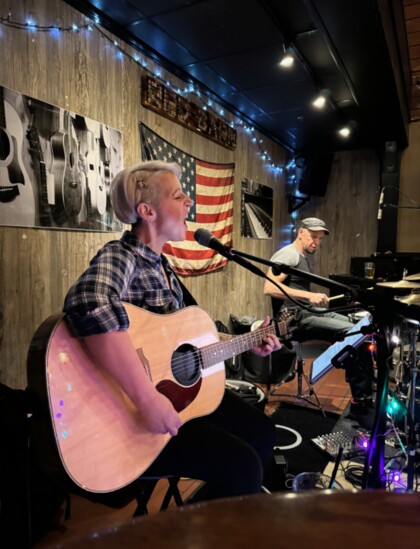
<point>357,315</point>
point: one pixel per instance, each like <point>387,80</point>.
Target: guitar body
<point>95,184</point>
<point>98,434</point>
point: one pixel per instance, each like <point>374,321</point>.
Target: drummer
<point>328,326</point>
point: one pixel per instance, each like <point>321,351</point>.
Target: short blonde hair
<point>132,186</point>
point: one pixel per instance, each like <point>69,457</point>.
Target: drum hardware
<point>408,365</point>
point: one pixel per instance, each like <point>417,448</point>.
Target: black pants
<point>228,449</point>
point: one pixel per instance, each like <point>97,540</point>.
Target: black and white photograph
<point>256,210</point>
<point>55,166</point>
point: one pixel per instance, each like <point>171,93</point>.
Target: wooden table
<point>315,519</point>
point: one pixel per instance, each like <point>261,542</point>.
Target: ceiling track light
<point>319,102</point>
<point>345,132</point>
<point>321,99</point>
<point>287,59</point>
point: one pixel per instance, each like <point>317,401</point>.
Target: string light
<point>90,25</point>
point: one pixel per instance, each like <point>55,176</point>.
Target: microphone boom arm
<point>350,293</point>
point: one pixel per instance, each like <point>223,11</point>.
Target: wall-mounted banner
<point>55,166</point>
<point>211,187</point>
<point>161,99</point>
<point>256,210</point>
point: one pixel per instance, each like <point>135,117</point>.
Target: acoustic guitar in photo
<point>17,199</point>
<point>65,169</point>
<point>44,208</point>
<point>95,191</point>
<point>92,424</point>
<point>106,170</point>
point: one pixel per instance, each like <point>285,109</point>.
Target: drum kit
<point>406,360</point>
<point>410,283</point>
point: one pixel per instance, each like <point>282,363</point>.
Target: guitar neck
<point>218,352</point>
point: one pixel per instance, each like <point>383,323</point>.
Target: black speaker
<point>390,164</point>
<point>315,174</point>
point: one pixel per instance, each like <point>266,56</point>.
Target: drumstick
<point>336,297</point>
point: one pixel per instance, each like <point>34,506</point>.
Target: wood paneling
<point>412,23</point>
<point>349,210</point>
<point>408,233</point>
<point>81,71</point>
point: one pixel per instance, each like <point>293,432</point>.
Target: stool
<point>302,376</point>
<point>144,487</point>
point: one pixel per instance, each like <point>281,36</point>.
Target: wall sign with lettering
<point>161,99</point>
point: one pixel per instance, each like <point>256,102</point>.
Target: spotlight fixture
<point>344,131</point>
<point>287,59</point>
<point>321,100</point>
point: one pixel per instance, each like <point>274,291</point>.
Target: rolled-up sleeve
<point>93,304</point>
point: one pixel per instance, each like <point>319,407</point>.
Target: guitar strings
<point>207,353</point>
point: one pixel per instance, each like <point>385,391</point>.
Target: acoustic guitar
<point>99,435</point>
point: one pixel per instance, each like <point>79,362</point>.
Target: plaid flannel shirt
<point>123,270</point>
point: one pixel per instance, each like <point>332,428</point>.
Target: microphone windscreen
<point>203,236</point>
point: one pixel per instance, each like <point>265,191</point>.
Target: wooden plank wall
<point>81,72</point>
<point>408,231</point>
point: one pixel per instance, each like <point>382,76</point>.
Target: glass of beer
<point>369,269</point>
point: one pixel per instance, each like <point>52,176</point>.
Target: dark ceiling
<point>231,50</point>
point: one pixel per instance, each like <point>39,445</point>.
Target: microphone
<point>206,238</point>
<point>380,205</point>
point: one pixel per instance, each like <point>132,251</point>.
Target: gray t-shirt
<point>290,255</point>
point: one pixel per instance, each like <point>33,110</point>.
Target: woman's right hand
<point>159,416</point>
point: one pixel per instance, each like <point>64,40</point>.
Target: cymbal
<point>413,277</point>
<point>412,299</point>
<point>399,284</point>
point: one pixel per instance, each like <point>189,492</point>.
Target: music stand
<point>323,364</point>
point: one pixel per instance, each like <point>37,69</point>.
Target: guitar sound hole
<point>186,365</point>
<point>4,145</point>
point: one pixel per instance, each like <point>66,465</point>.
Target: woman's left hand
<point>269,343</point>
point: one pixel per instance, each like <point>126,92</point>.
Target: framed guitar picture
<point>56,166</point>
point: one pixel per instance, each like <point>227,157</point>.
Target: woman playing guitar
<point>172,390</point>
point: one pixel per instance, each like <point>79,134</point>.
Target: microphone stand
<point>385,311</point>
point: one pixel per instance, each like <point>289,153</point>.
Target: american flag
<point>211,187</point>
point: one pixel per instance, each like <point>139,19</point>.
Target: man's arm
<point>271,290</point>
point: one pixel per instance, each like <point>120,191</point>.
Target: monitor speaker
<point>315,174</point>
